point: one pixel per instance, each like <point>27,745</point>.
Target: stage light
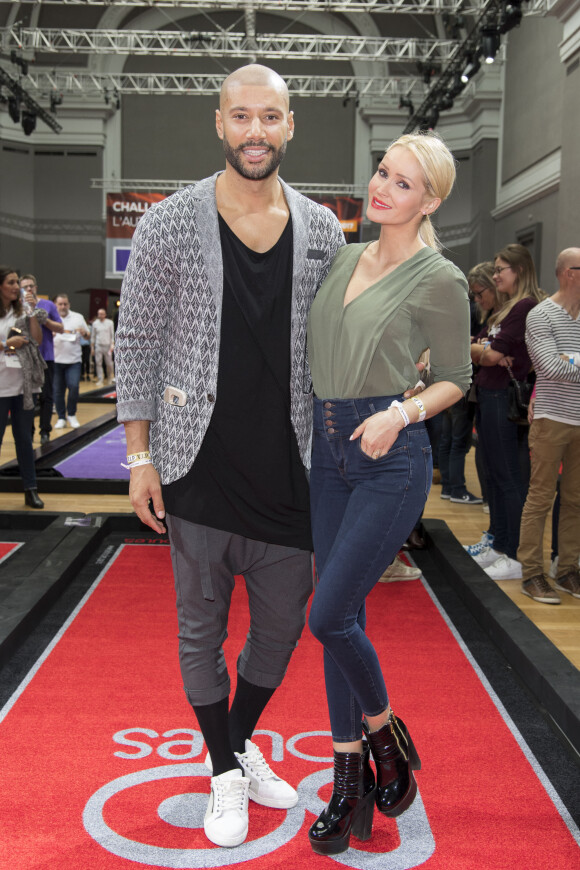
<point>490,43</point>
<point>14,109</point>
<point>471,68</point>
<point>511,15</point>
<point>456,86</point>
<point>28,122</point>
<point>446,101</point>
<point>406,103</point>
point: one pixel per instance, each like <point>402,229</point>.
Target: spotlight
<point>490,42</point>
<point>405,103</point>
<point>14,109</point>
<point>28,122</point>
<point>456,86</point>
<point>428,71</point>
<point>471,68</point>
<point>510,16</point>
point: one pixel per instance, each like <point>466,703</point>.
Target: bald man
<point>214,389</point>
<point>553,341</point>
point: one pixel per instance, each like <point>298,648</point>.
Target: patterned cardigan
<point>169,323</point>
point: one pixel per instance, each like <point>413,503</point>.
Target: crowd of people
<point>41,351</point>
<point>240,266</point>
<point>526,337</point>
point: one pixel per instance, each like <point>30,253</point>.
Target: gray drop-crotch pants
<point>279,582</point>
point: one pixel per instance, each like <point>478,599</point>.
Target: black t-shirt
<point>248,478</point>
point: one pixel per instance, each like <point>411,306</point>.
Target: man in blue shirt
<point>53,324</point>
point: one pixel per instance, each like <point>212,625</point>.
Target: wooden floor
<point>560,623</point>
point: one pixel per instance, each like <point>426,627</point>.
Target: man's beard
<point>254,171</point>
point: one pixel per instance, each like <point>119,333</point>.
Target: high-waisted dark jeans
<point>363,510</point>
<point>507,461</point>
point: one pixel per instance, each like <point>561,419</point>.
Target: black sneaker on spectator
<point>466,498</point>
<point>445,494</point>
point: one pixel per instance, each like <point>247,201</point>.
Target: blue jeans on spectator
<point>22,422</point>
<point>506,482</point>
<point>363,510</point>
<point>454,442</point>
<point>67,376</point>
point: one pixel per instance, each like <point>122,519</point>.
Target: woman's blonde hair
<point>438,165</point>
<point>482,276</point>
<point>520,261</point>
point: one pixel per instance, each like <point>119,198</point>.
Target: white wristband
<point>139,462</point>
<point>421,406</point>
<point>401,411</point>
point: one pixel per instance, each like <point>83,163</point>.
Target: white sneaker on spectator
<point>226,817</point>
<point>504,568</point>
<point>60,423</point>
<point>486,540</point>
<point>74,422</point>
<point>266,788</point>
<point>487,557</point>
<point>99,384</point>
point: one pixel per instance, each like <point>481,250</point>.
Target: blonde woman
<point>380,306</point>
<point>504,443</point>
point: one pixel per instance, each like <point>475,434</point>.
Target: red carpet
<point>6,549</point>
<point>102,766</point>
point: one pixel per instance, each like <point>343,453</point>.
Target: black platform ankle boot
<point>31,499</point>
<point>351,806</point>
<point>395,758</point>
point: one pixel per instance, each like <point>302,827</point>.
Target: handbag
<point>519,395</point>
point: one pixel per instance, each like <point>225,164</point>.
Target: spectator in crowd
<point>553,341</point>
<point>86,354</point>
<point>67,363</point>
<point>52,324</point>
<point>21,376</point>
<point>500,346</point>
<point>102,344</point>
<point>488,300</point>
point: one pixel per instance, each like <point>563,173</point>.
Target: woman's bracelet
<point>421,406</point>
<point>401,410</point>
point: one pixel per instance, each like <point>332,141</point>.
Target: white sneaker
<point>486,540</point>
<point>266,788</point>
<point>504,568</point>
<point>74,422</point>
<point>487,557</point>
<point>60,423</point>
<point>399,570</point>
<point>99,384</point>
<point>226,817</point>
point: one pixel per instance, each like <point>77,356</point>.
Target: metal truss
<point>412,7</point>
<point>167,185</point>
<point>226,44</point>
<point>91,85</point>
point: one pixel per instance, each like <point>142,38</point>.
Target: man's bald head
<point>566,258</point>
<point>253,75</point>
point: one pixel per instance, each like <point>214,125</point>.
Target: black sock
<point>213,721</point>
<point>248,705</point>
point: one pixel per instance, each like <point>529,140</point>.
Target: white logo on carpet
<point>186,810</point>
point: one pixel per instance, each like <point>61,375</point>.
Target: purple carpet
<point>100,459</point>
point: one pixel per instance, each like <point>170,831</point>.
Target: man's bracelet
<point>133,457</point>
<point>138,462</point>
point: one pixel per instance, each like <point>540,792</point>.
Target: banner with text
<point>125,209</point>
